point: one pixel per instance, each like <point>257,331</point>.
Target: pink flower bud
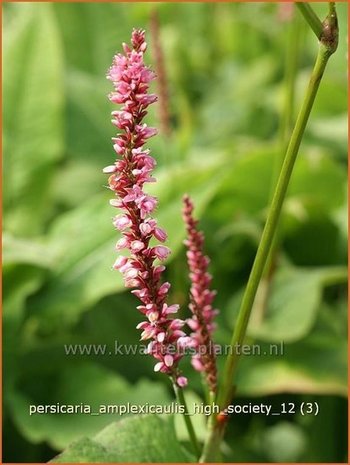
<point>161,252</point>
<point>161,337</point>
<point>160,234</point>
<point>164,288</point>
<point>158,366</point>
<point>136,246</point>
<point>121,222</point>
<point>181,381</point>
<point>168,360</point>
<point>171,309</point>
<point>109,169</point>
<point>122,243</point>
<point>120,261</point>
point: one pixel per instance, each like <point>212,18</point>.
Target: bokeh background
<point>233,95</point>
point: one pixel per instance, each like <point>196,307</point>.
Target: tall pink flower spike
<point>132,169</point>
<point>201,298</point>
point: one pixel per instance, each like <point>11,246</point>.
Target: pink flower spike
<point>131,171</point>
<point>201,297</point>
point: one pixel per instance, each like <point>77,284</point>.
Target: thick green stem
<point>311,17</point>
<point>211,448</point>
<point>286,126</point>
<point>290,73</point>
<point>327,46</point>
<point>193,438</point>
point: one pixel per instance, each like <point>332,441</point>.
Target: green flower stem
<point>211,448</point>
<point>293,40</point>
<point>181,400</point>
<point>311,17</point>
<point>327,46</point>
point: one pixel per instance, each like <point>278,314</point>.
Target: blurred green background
<point>226,70</point>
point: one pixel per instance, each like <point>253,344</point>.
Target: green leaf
<point>144,439</point>
<point>331,130</point>
<point>88,117</point>
<point>20,251</point>
<point>18,284</point>
<point>315,365</point>
<point>86,384</point>
<point>294,299</point>
<point>96,23</point>
<point>318,182</point>
<point>32,108</point>
<point>292,306</point>
<point>85,450</point>
<point>246,190</point>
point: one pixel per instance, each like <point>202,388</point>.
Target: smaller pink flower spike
<point>132,169</point>
<point>201,298</point>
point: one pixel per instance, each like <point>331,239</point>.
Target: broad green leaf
<point>143,439</point>
<point>246,191</point>
<point>112,321</point>
<point>88,117</point>
<point>104,28</point>
<point>293,301</point>
<point>331,131</point>
<point>317,186</point>
<point>318,181</point>
<point>18,285</point>
<point>81,384</point>
<point>69,191</point>
<point>315,365</point>
<point>32,109</point>
<point>20,251</point>
<point>85,450</point>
